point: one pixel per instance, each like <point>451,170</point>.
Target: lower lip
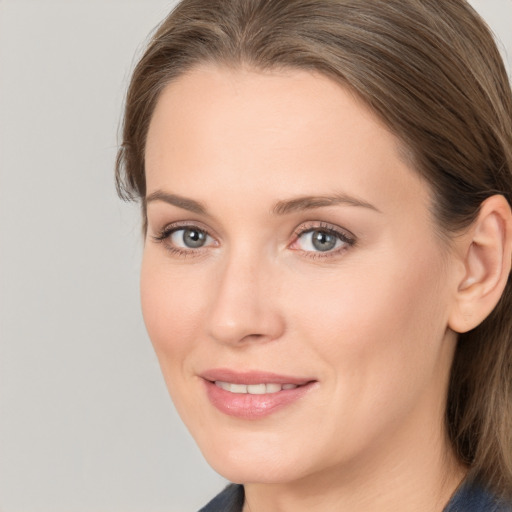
<point>251,407</point>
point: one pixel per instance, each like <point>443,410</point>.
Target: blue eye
<point>322,240</point>
<point>185,240</point>
<point>319,240</point>
<point>189,238</point>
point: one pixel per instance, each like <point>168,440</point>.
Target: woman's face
<point>293,284</point>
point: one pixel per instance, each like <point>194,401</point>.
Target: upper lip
<point>252,377</point>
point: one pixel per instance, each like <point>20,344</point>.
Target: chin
<point>245,471</point>
<point>256,461</point>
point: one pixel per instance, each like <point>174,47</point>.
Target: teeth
<point>253,389</point>
<point>257,389</point>
<point>224,385</point>
<point>273,388</point>
<point>238,388</point>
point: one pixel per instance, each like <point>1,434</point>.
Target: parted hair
<point>431,71</point>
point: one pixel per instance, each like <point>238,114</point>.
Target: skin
<point>368,321</point>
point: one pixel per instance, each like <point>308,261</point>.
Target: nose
<point>244,305</point>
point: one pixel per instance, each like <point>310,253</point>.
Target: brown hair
<point>431,71</point>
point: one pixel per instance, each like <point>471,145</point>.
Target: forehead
<point>272,106</point>
<point>288,131</point>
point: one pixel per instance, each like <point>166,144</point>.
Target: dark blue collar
<point>469,497</point>
<point>472,497</point>
<point>231,499</point>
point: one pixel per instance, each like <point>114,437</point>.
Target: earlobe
<point>487,251</point>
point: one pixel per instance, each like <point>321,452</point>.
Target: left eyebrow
<point>310,202</point>
<point>181,202</point>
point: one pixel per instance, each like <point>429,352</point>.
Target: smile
<point>253,395</point>
<point>254,389</point>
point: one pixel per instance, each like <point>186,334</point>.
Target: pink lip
<point>251,377</point>
<point>247,406</point>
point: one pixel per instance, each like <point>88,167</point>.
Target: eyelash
<point>345,237</point>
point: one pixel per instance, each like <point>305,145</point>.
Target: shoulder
<point>231,499</point>
<point>473,497</point>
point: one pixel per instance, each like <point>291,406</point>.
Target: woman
<point>326,188</point>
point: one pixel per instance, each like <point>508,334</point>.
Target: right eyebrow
<point>179,201</point>
<point>311,202</point>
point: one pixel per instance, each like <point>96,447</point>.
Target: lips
<point>253,395</point>
<point>252,377</point>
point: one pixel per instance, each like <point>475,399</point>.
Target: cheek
<point>377,335</point>
<point>381,324</point>
<point>171,303</point>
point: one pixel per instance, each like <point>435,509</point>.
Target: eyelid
<point>183,224</point>
<point>322,225</point>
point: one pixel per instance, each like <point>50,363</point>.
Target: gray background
<point>85,420</point>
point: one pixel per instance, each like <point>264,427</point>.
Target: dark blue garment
<point>468,498</point>
<point>471,497</point>
<point>231,499</point>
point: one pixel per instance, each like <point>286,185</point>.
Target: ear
<point>486,252</point>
